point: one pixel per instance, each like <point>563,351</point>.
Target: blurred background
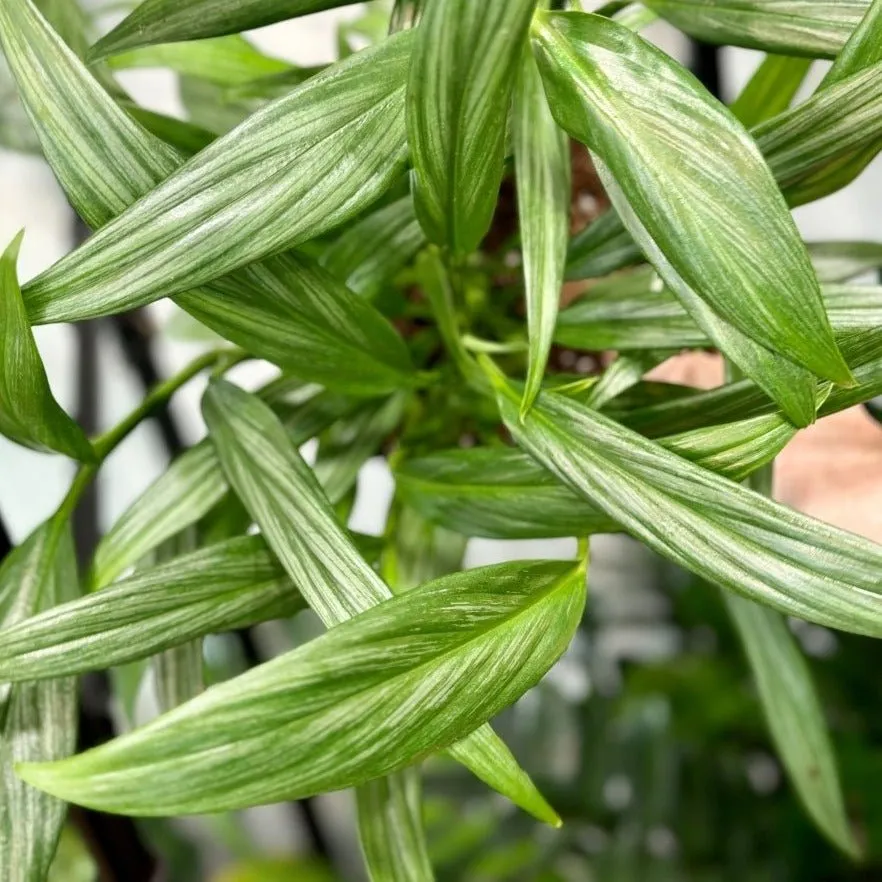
<point>647,737</point>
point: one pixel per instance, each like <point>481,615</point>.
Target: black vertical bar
<point>706,66</point>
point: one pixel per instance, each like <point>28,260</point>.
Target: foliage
<point>353,225</point>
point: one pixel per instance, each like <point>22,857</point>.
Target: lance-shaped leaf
<point>817,28</point>
<point>810,143</point>
<point>671,148</point>
<point>863,50</point>
<point>232,584</point>
<point>372,251</point>
<point>278,488</point>
<point>164,21</point>
<point>293,170</point>
<point>37,720</point>
<point>195,483</point>
<point>29,414</point>
<point>542,168</point>
<point>719,530</point>
<point>789,385</point>
<point>503,494</point>
<point>225,60</point>
<point>465,56</point>
<point>794,714</point>
<point>286,308</point>
<point>814,141</point>
<point>313,720</point>
<point>390,829</point>
<point>770,90</point>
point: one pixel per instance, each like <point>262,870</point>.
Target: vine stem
<point>156,397</point>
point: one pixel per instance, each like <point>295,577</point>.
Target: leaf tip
<point>14,247</point>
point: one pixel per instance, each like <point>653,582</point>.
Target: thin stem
<point>107,443</point>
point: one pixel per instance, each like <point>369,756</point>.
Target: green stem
<point>158,395</point>
<point>438,290</point>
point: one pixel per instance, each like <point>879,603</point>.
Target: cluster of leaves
<point>330,221</point>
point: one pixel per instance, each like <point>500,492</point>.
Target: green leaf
<point>808,146</point>
<point>194,484</point>
<point>184,137</point>
<point>390,829</point>
<point>164,21</point>
<point>503,494</point>
<point>232,584</point>
<point>224,60</point>
<point>542,168</point>
<point>345,144</point>
<point>719,530</point>
<point>743,400</point>
<point>771,89</point>
<point>794,714</point>
<point>372,251</point>
<point>863,50</point>
<point>320,722</point>
<point>29,415</point>
<point>632,312</point>
<point>465,58</point>
<point>601,248</point>
<point>286,309</point>
<point>817,28</point>
<point>624,373</point>
<point>671,149</point>
<point>278,488</point>
<point>841,261</point>
<point>37,720</point>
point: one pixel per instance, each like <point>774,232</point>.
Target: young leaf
<point>390,828</point>
<point>29,415</point>
<point>542,168</point>
<point>312,720</point>
<point>677,156</point>
<point>286,308</point>
<point>37,720</point>
<point>818,28</point>
<point>164,21</point>
<point>225,60</point>
<point>232,584</point>
<point>193,484</point>
<point>794,715</point>
<point>278,489</point>
<point>719,530</point>
<point>372,251</point>
<point>770,90</point>
<point>465,56</point>
<point>237,201</point>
